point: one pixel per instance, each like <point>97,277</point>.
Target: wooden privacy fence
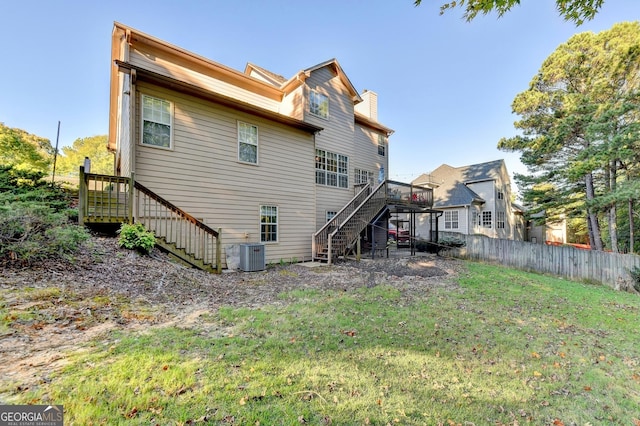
<point>611,269</point>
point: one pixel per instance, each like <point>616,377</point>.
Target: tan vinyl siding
<point>203,176</point>
<point>366,145</point>
<point>337,136</point>
<point>161,66</point>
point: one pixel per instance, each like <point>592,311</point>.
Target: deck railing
<point>410,195</point>
<point>104,198</point>
<point>117,199</point>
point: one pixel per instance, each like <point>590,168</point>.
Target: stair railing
<point>178,228</point>
<point>319,240</point>
<point>348,231</point>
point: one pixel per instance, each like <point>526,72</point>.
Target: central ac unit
<point>252,257</point>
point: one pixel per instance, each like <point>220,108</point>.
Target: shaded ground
<point>52,309</point>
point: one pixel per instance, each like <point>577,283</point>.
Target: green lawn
<point>507,347</point>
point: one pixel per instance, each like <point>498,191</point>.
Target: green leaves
<point>580,121</point>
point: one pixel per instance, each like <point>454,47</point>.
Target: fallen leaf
<point>557,422</point>
<point>587,388</point>
<point>535,355</point>
<point>537,373</point>
<point>562,354</point>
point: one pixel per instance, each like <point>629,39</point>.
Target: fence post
<point>219,252</point>
<point>131,195</point>
<point>82,197</point>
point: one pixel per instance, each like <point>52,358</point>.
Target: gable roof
<point>341,74</point>
<point>452,189</point>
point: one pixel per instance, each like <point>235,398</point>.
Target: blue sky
<point>444,85</point>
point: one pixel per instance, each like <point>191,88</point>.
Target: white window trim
<point>257,144</point>
<point>324,171</point>
<point>142,120</point>
<point>382,143</point>
<point>451,219</point>
<point>490,214</point>
<point>314,93</point>
<point>277,224</point>
<point>330,214</point>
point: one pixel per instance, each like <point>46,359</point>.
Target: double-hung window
<point>332,169</point>
<point>318,104</point>
<point>156,122</point>
<point>450,220</point>
<point>382,147</point>
<point>500,220</point>
<point>247,143</point>
<point>269,224</point>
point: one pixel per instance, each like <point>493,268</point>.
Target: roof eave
<point>193,90</point>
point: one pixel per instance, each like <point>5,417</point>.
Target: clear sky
<point>444,85</point>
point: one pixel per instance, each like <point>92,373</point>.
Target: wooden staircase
<point>117,199</point>
<point>339,236</point>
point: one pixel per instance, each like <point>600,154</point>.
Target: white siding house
<point>474,199</point>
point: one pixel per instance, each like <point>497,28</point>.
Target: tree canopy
<point>94,147</point>
<point>576,11</point>
<point>580,130</point>
<point>24,151</point>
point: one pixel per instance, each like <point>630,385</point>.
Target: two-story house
<point>265,158</point>
<point>474,199</point>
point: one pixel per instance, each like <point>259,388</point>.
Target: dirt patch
<point>56,307</point>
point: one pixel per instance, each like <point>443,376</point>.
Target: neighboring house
<point>267,159</point>
<point>547,232</point>
<point>474,199</point>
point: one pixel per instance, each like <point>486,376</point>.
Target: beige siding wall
<point>156,63</point>
<point>339,136</point>
<point>366,153</point>
<point>202,175</point>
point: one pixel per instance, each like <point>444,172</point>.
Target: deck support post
<point>82,197</point>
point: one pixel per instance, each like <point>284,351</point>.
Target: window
<point>268,224</point>
<point>247,143</point>
<point>156,122</point>
<point>319,104</point>
<point>451,220</point>
<point>382,147</point>
<point>362,177</point>
<point>500,195</point>
<point>331,215</point>
<point>500,220</point>
<point>332,169</point>
<point>486,219</point>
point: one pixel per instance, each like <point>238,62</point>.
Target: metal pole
<point>55,156</point>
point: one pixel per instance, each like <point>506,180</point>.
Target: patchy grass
<point>507,348</point>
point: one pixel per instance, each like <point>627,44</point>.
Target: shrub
<point>32,232</point>
<point>136,237</point>
<point>34,219</point>
<point>432,247</point>
<point>635,274</point>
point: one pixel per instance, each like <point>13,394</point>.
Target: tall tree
<point>579,125</point>
<point>576,11</point>
<point>94,147</point>
<point>24,151</point>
